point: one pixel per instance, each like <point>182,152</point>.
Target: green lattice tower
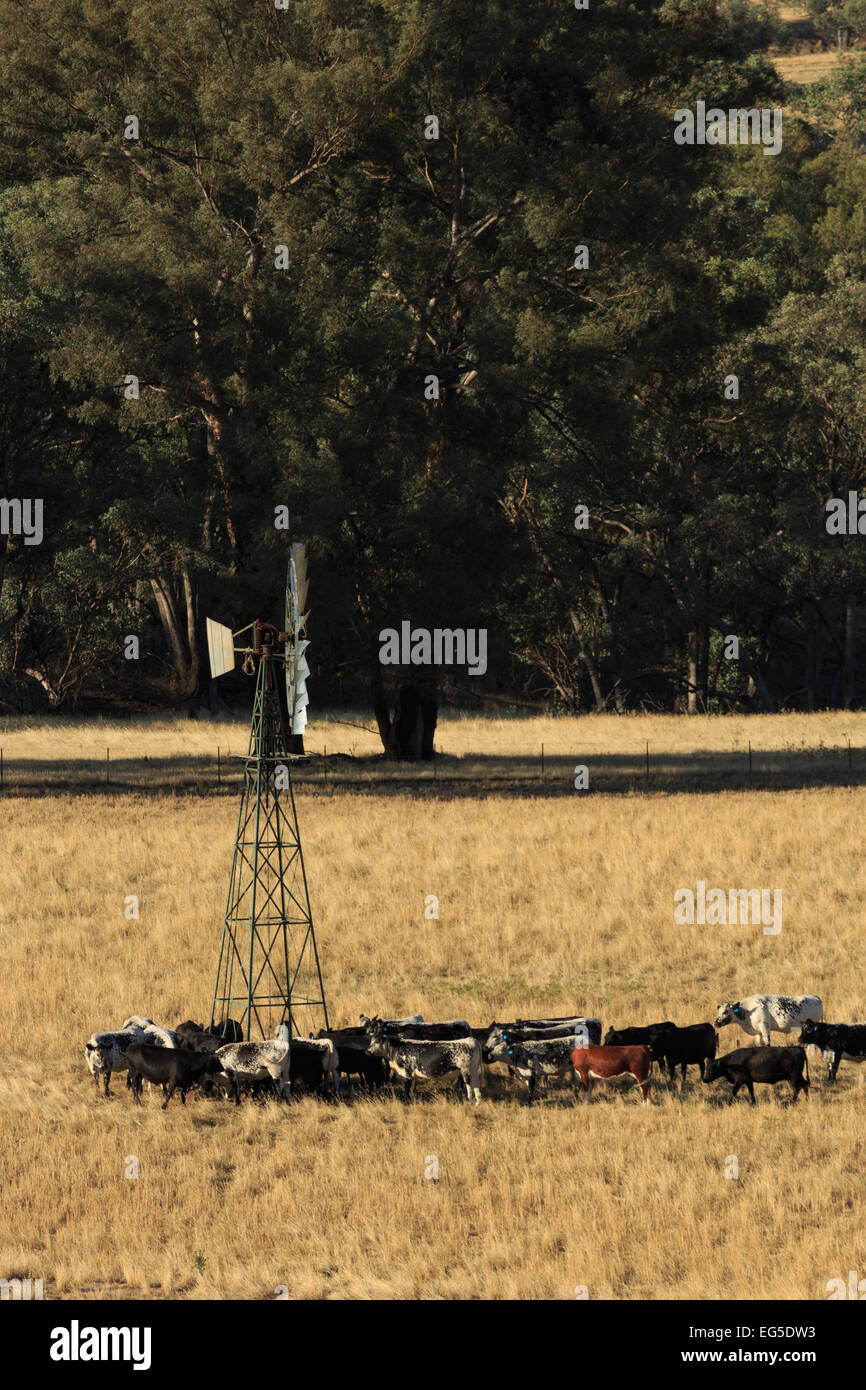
<point>268,971</point>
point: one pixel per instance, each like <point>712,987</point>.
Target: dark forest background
<point>562,384</point>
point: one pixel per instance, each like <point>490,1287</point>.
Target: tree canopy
<point>439,281</point>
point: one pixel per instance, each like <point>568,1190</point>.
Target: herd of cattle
<point>378,1051</point>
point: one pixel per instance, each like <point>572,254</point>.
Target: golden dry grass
<point>812,67</point>
<point>547,904</point>
<point>475,752</point>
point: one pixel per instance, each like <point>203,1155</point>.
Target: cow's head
<point>378,1044</point>
<point>808,1032</point>
<point>712,1071</point>
<point>728,1013</point>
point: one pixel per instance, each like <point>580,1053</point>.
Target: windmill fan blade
<point>220,648</point>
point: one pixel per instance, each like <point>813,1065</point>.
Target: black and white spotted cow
<point>836,1042</point>
<point>531,1059</point>
<point>106,1052</point>
<point>588,1028</point>
<point>256,1061</point>
<point>761,1014</point>
<point>410,1059</point>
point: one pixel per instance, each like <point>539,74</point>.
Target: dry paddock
<point>546,905</point>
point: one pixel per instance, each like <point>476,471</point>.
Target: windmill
<point>268,971</point>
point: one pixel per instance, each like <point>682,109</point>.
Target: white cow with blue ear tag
<point>761,1014</point>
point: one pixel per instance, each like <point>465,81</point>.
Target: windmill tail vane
<point>268,974</point>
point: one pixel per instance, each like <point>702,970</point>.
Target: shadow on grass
<point>450,778</point>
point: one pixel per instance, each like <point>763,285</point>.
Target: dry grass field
<point>549,901</point>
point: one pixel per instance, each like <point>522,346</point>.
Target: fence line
<point>480,768</point>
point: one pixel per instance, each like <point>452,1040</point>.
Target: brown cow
<point>605,1062</point>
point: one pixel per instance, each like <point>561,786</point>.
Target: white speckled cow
<point>428,1059</point>
<point>255,1061</point>
<point>761,1014</point>
<point>106,1052</point>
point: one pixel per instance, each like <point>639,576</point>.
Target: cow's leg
<point>106,1076</point>
<point>644,1090</point>
<point>171,1091</point>
<point>531,1091</point>
<point>136,1087</point>
<point>685,1068</point>
<point>735,1089</point>
<point>182,1096</point>
<point>751,1089</point>
<point>237,1084</point>
<point>835,1067</point>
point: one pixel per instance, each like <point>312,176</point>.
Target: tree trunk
<point>408,735</point>
<point>176,605</point>
<point>693,671</point>
<point>849,694</point>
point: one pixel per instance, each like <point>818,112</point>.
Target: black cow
<point>229,1031</point>
<point>765,1064</point>
<point>635,1037</point>
<point>639,1037</point>
<point>189,1027</point>
<point>169,1067</point>
<point>310,1064</point>
<point>422,1032</point>
<point>683,1047</point>
<point>195,1039</point>
<point>352,1045</point>
<point>842,1040</point>
<point>428,1032</point>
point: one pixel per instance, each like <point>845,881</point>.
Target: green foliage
<point>559,384</point>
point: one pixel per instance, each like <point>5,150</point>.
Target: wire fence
<point>543,771</point>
